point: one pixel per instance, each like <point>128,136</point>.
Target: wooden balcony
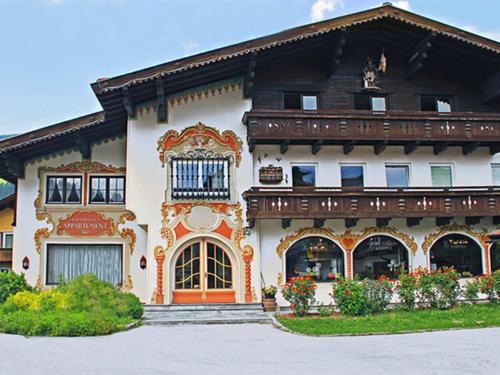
<point>381,203</point>
<point>5,255</point>
<point>350,128</point>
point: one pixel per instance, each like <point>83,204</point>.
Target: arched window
<point>495,256</point>
<point>379,255</point>
<point>317,257</point>
<point>457,251</point>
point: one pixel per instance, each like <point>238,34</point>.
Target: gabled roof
<point>291,35</point>
<point>51,132</point>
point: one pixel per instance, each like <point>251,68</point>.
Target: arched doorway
<point>458,251</point>
<point>203,273</point>
<point>379,255</point>
<point>316,257</point>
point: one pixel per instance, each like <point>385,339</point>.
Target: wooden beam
<point>491,88</point>
<point>128,103</point>
<point>383,222</point>
<point>338,51</point>
<point>319,223</point>
<point>470,147</point>
<point>413,221</point>
<point>349,223</point>
<point>250,76</point>
<point>379,147</point>
<point>316,147</point>
<point>15,166</point>
<point>284,146</point>
<point>410,147</point>
<point>473,220</point>
<point>441,221</point>
<point>419,55</point>
<point>285,223</point>
<point>440,147</point>
<point>162,105</point>
<point>83,145</point>
<point>348,147</point>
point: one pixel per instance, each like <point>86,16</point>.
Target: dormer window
<point>433,103</point>
<point>294,100</point>
<point>370,102</point>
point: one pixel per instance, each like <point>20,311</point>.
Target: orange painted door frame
<point>203,292</point>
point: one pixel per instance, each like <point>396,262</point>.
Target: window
<point>293,100</point>
<point>435,103</point>
<point>65,262</point>
<point>397,175</point>
<point>194,178</point>
<point>7,240</point>
<point>370,102</point>
<point>316,257</point>
<point>379,255</point>
<point>495,171</point>
<point>351,175</point>
<point>441,175</point>
<point>64,189</point>
<point>459,252</point>
<point>107,190</point>
<point>304,175</point>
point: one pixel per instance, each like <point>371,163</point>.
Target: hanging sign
<point>86,223</point>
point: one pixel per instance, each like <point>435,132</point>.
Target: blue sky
<point>53,49</point>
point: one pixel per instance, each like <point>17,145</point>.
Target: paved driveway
<point>252,349</point>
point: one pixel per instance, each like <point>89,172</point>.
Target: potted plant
<point>269,298</point>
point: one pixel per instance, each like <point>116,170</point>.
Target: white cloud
<point>320,7</point>
<point>190,47</point>
<point>403,4</point>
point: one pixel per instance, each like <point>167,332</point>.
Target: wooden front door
<point>203,274</point>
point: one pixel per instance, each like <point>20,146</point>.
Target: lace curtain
<point>69,261</point>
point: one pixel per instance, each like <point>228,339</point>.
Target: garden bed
<point>463,316</point>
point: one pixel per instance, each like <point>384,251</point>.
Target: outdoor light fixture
<point>26,263</point>
<point>143,262</point>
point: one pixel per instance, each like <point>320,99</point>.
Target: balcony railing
<point>5,255</point>
<point>410,129</point>
<point>372,202</point>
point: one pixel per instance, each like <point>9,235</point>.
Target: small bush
<point>325,311</point>
<point>378,294</point>
<point>350,297</point>
<point>10,284</point>
<point>85,306</point>
<point>439,289</point>
<point>471,291</point>
<point>487,286</point>
<point>299,292</point>
<point>407,290</point>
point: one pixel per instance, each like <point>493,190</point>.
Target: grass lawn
<point>464,316</point>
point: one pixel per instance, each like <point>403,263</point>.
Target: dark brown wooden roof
<point>291,35</point>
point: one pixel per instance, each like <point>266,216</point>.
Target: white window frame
<point>399,164</point>
<point>363,165</point>
<point>493,166</point>
<point>452,167</point>
<point>4,234</point>
<point>305,163</point>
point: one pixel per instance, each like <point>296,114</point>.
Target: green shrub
<point>11,283</point>
<point>378,294</point>
<point>350,297</point>
<point>447,287</point>
<point>300,293</point>
<point>325,311</point>
<point>487,286</point>
<point>471,291</point>
<point>407,290</point>
<point>85,306</point>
